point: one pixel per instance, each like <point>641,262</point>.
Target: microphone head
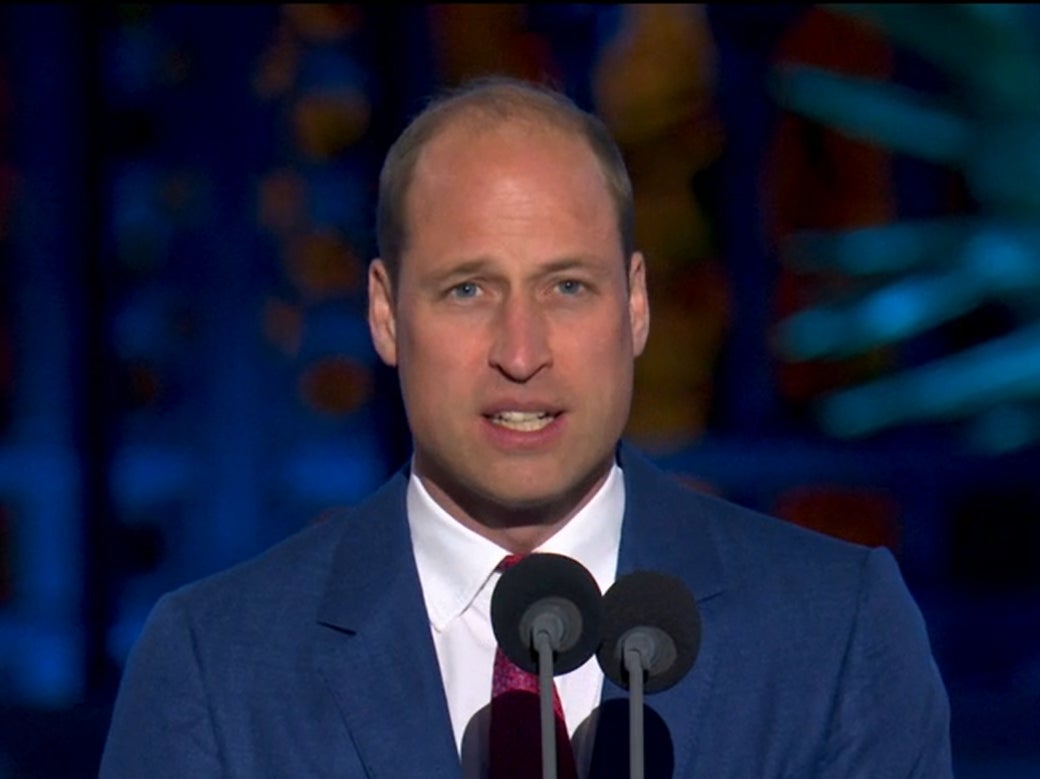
<point>658,608</point>
<point>547,584</point>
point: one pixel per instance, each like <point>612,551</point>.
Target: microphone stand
<point>543,645</point>
<point>550,605</point>
<point>637,654</point>
<point>652,632</point>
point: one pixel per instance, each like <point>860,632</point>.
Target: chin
<point>544,499</point>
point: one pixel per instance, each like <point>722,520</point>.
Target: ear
<point>638,303</point>
<point>381,319</point>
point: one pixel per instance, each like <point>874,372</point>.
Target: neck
<point>519,528</point>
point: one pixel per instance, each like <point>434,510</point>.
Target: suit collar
<point>668,529</point>
<point>374,649</point>
<point>374,559</point>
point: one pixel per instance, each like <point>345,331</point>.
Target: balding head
<point>483,105</point>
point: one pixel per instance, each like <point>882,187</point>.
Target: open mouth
<point>522,421</point>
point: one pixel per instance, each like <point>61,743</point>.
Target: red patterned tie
<point>515,741</point>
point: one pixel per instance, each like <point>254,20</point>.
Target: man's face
<point>513,327</point>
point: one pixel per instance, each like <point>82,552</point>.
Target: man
<point>511,301</point>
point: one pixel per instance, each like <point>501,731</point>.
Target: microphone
<point>550,595</point>
<point>546,612</point>
<point>651,637</point>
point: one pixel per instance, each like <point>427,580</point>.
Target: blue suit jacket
<point>316,660</point>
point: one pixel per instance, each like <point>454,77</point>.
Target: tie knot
<point>509,561</point>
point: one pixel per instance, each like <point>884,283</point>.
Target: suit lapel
<point>374,649</point>
<point>373,645</point>
<point>664,531</point>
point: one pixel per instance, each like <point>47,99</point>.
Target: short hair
<point>494,98</point>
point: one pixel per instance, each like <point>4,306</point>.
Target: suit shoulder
<point>290,573</point>
<point>696,529</point>
<point>283,579</point>
<point>673,495</point>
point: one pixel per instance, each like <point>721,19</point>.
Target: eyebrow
<point>465,268</point>
<point>570,263</point>
<point>483,265</point>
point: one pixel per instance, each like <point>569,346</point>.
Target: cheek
<point>603,344</point>
<point>440,353</point>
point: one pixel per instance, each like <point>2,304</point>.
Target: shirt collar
<point>455,563</point>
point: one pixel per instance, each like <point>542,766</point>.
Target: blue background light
<point>842,224</point>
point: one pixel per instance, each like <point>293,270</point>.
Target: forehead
<point>507,190</point>
<point>480,163</point>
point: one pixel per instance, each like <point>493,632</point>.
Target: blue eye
<point>466,289</point>
<point>570,287</point>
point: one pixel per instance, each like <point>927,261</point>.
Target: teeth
<point>525,421</point>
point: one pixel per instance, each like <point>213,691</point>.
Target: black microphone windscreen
<point>539,581</point>
<point>654,601</point>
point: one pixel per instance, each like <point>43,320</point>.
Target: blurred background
<point>841,212</point>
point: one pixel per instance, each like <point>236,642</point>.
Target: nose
<point>520,348</point>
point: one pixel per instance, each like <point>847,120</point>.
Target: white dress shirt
<point>457,572</point>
